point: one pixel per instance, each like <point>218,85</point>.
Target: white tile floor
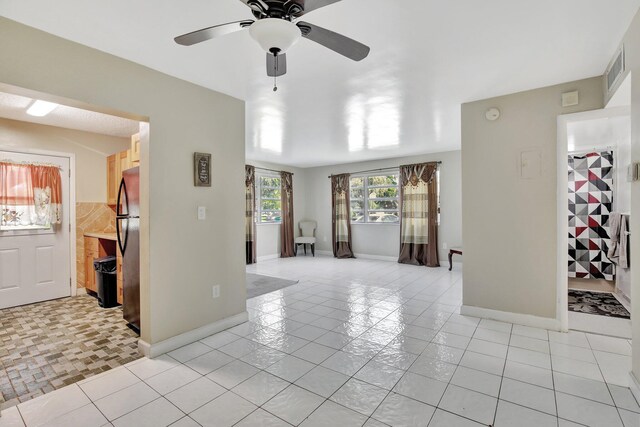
<point>355,343</point>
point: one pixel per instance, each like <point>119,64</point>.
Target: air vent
<point>615,70</point>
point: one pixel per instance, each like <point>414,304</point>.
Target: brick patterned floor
<point>48,345</point>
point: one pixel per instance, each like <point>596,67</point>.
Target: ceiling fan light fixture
<point>275,33</point>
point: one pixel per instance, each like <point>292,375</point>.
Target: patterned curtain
<point>340,211</point>
<point>30,195</point>
<point>590,204</point>
<point>286,228</point>
<point>419,214</point>
<point>250,212</point>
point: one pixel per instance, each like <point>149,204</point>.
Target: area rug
<point>258,284</point>
<point>599,303</point>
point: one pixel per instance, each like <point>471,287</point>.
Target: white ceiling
<point>15,107</point>
<point>427,58</point>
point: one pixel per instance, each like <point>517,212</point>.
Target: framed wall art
<point>202,169</point>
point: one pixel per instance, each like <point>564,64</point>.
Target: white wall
<point>268,235</point>
<point>91,151</point>
<point>631,43</point>
<point>383,240</point>
<point>510,210</point>
<point>181,257</point>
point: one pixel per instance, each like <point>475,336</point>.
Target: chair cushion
<point>307,240</point>
<point>307,228</point>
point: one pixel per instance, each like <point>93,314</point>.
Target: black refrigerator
<point>128,233</point>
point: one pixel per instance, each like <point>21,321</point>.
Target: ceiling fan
<point>275,30</point>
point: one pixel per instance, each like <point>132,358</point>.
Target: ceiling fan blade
<point>311,5</point>
<point>211,32</point>
<point>276,65</point>
<point>334,41</point>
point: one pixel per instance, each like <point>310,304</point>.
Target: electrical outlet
<point>444,246</point>
<point>216,291</point>
<point>202,213</point>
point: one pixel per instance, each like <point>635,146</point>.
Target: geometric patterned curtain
<point>590,204</point>
<point>250,211</point>
<point>419,214</point>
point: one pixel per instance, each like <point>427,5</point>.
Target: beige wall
<point>268,235</point>
<point>184,257</point>
<point>383,239</point>
<point>509,223</point>
<point>90,149</point>
<point>632,57</point>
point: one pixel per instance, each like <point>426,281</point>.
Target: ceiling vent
<point>615,71</point>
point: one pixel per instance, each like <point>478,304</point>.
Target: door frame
<point>72,202</point>
<point>562,197</point>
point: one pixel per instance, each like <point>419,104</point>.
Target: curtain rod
<point>270,170</point>
<point>27,163</point>
<point>378,170</point>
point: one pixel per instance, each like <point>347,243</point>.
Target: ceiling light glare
<point>41,108</point>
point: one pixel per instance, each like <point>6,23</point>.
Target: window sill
<point>262,224</point>
<point>23,228</point>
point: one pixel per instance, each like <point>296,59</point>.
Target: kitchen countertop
<point>105,236</point>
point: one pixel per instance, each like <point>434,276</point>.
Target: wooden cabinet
<point>135,149</point>
<point>117,163</point>
<point>91,252</point>
<point>113,179</point>
<point>119,276</point>
<point>125,163</point>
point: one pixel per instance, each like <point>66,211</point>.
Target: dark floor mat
<point>599,303</point>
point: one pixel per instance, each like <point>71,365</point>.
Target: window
<point>374,198</point>
<point>268,206</point>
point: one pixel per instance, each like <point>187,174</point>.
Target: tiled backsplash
<point>91,218</point>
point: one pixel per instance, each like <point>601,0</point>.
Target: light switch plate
<point>202,213</point>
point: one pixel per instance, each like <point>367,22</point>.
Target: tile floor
<point>355,343</point>
<point>49,345</point>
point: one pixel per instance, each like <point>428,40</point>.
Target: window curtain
<point>250,212</point>
<point>286,228</point>
<point>30,195</point>
<point>340,214</point>
<point>419,214</point>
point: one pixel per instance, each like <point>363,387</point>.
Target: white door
<point>35,264</point>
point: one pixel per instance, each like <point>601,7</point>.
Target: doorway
<point>35,255</point>
<point>594,293</point>
<point>57,327</point>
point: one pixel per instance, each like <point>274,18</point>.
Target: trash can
<point>106,281</point>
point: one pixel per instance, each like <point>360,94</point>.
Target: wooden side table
<point>452,251</point>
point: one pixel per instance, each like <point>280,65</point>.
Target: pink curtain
<point>30,195</point>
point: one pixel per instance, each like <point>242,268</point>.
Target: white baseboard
<point>268,257</point>
<point>516,318</point>
<point>378,257</point>
<point>162,347</point>
<point>634,385</point>
<point>443,262</point>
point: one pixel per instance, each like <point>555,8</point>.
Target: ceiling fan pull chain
<point>275,74</point>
